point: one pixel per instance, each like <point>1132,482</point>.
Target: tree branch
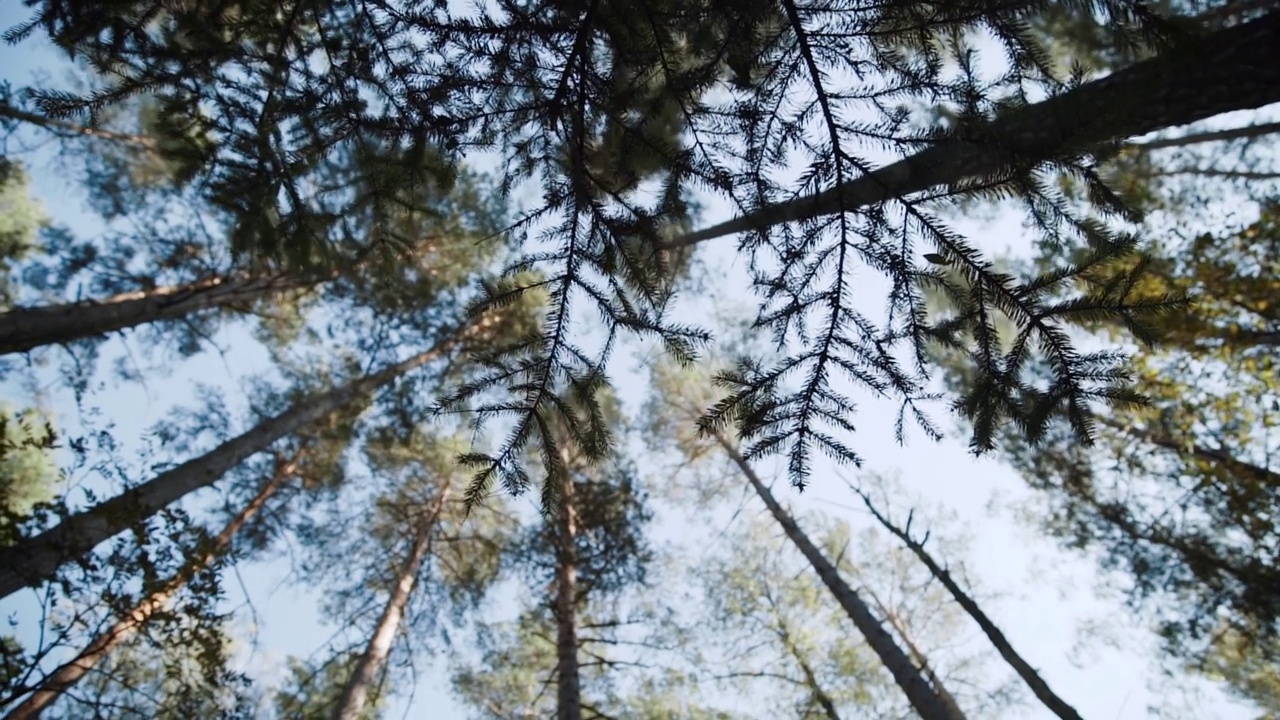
<point>1042,691</point>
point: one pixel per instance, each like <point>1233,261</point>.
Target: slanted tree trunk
<point>1038,686</point>
<point>917,654</point>
<point>36,560</point>
<point>67,675</point>
<point>917,689</point>
<point>356,692</point>
<point>820,695</point>
<point>26,328</point>
<point>568,682</point>
<point>1224,71</point>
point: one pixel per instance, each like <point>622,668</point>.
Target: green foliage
<point>608,555</point>
<point>1178,492</point>
<point>21,220</point>
<point>180,676</point>
<point>259,107</point>
<point>781,636</point>
<point>320,146</point>
<point>420,473</point>
<point>311,690</point>
<point>28,470</point>
<point>1247,669</point>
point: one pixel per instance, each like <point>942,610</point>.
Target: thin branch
<point>1042,691</point>
<point>1250,131</point>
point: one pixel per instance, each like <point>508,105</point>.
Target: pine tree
<point>34,560</point>
<point>1173,492</point>
<point>588,550</point>
<point>1037,684</point>
<point>175,261</point>
<point>62,679</point>
<point>312,690</point>
<point>681,403</point>
<point>646,102</point>
<point>443,559</point>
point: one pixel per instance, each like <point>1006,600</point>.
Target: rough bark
<point>1228,70</point>
<point>355,693</point>
<point>1038,686</point>
<point>67,675</point>
<point>917,689</point>
<point>36,560</point>
<point>568,682</point>
<point>26,328</point>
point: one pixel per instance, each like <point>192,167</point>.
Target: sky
<point>1043,596</point>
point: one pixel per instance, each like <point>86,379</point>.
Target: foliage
<point>312,689</point>
<point>21,219</point>
<point>349,166</point>
<point>648,103</point>
<point>1177,493</point>
<point>179,676</point>
<point>606,553</point>
<point>27,467</point>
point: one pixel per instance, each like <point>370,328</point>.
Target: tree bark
<point>26,328</point>
<point>67,675</point>
<point>917,654</point>
<point>568,683</point>
<point>36,560</point>
<point>356,692</point>
<point>1038,686</point>
<point>1224,71</point>
<point>917,689</point>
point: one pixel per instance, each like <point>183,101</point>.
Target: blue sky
<point>1044,596</point>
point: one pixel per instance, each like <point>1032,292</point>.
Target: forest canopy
<point>398,265</point>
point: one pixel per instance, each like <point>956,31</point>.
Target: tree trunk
<point>1038,686</point>
<point>68,674</point>
<point>36,560</point>
<point>356,692</point>
<point>917,689</point>
<point>815,688</point>
<point>917,654</point>
<point>922,660</point>
<point>568,683</point>
<point>1228,70</point>
<point>22,328</point>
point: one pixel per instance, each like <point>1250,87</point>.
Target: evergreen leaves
<point>619,111</point>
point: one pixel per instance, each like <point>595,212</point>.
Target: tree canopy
<point>371,272</point>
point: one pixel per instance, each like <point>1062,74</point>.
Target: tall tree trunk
<point>917,654</point>
<point>356,692</point>
<point>1233,69</point>
<point>568,683</point>
<point>907,676</point>
<point>35,560</point>
<point>1038,686</point>
<point>25,328</point>
<point>68,674</point>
